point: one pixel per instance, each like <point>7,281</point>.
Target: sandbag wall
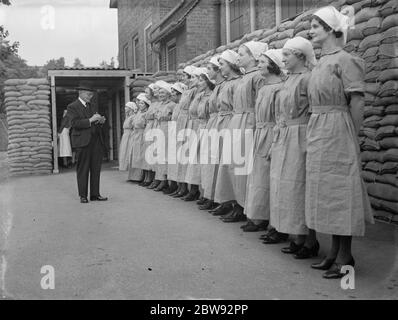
<point>375,39</point>
<point>139,84</point>
<point>29,126</point>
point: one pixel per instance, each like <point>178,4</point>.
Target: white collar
<point>84,103</point>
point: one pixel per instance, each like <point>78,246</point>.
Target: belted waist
<point>213,115</point>
<point>329,109</point>
<point>261,125</point>
<point>224,113</point>
<point>293,122</point>
<point>251,110</point>
<point>193,118</point>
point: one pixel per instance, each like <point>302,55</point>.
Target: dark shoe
<point>222,210</point>
<point>325,264</point>
<point>218,207</point>
<point>249,223</point>
<point>170,190</point>
<point>255,227</point>
<point>201,201</point>
<point>177,191</point>
<point>192,197</point>
<point>209,205</point>
<point>98,198</point>
<point>276,237</point>
<point>147,184</point>
<point>163,185</point>
<point>306,253</point>
<point>83,200</point>
<point>236,216</point>
<point>292,248</point>
<point>141,184</point>
<point>181,194</point>
<point>335,270</point>
<point>154,185</point>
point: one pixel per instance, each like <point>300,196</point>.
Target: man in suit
<point>88,142</point>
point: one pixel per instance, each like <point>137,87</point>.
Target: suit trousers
<point>89,161</point>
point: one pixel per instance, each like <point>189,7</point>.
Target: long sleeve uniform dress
<point>209,169</point>
<point>164,114</point>
<point>257,205</point>
<point>172,168</point>
<point>198,115</point>
<point>150,124</point>
<point>125,144</point>
<point>138,154</point>
<point>182,122</point>
<point>232,177</point>
<point>288,156</point>
<point>336,200</point>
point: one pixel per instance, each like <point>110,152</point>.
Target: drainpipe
<point>252,15</point>
<point>228,21</point>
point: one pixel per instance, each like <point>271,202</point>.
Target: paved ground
<point>143,245</point>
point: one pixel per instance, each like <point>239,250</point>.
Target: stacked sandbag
<point>377,32</point>
<point>168,76</point>
<point>139,84</point>
<point>3,133</point>
<point>27,104</point>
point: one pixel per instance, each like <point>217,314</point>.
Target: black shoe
<point>236,216</point>
<point>216,208</point>
<point>292,248</point>
<point>249,223</point>
<point>154,185</point>
<point>83,200</point>
<point>222,210</point>
<point>325,264</point>
<point>255,227</point>
<point>201,201</point>
<point>207,206</point>
<point>335,270</point>
<point>177,191</point>
<point>191,196</point>
<point>170,190</point>
<point>276,237</point>
<point>181,194</point>
<point>98,198</point>
<point>163,185</point>
<point>306,253</point>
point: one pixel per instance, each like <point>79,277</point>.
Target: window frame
<point>279,12</point>
<point>173,43</point>
<point>126,56</point>
<point>236,19</point>
<point>134,49</point>
<point>146,55</point>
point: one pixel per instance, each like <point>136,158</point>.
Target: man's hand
<point>95,118</point>
<point>102,120</point>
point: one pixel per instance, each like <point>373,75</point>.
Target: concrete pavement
<point>144,245</point>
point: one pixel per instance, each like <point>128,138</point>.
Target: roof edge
<point>113,4</point>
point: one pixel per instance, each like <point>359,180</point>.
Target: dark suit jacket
<point>82,131</point>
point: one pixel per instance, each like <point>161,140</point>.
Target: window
<point>291,8</point>
<point>236,19</point>
<point>126,56</point>
<point>135,52</point>
<point>148,49</point>
<point>171,56</point>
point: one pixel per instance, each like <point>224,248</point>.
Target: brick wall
<point>133,17</point>
<point>203,29</point>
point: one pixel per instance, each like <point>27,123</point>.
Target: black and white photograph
<point>198,155</point>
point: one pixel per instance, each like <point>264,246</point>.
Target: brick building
<point>160,34</point>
